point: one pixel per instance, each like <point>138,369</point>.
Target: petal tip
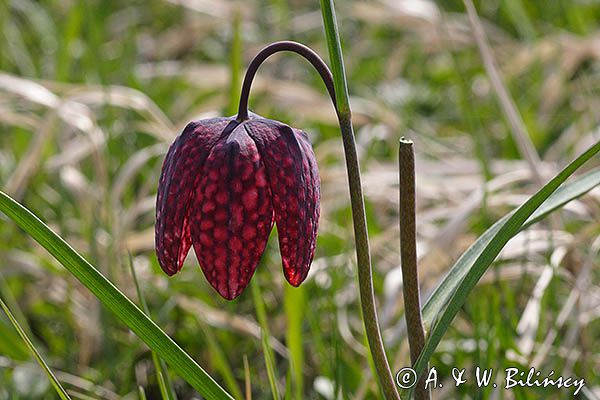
<point>230,296</point>
<point>167,266</point>
<point>169,272</point>
<point>227,293</point>
<point>295,279</point>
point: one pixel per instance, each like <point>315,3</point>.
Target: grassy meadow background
<point>93,92</point>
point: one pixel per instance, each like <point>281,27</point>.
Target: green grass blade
<point>220,361</point>
<point>441,294</point>
<point>247,380</point>
<point>295,305</point>
<point>55,383</point>
<point>141,393</point>
<point>11,302</point>
<point>114,300</point>
<point>516,12</point>
<point>235,62</point>
<point>261,314</point>
<point>335,57</point>
<point>162,375</point>
<point>507,231</point>
<point>11,345</point>
<point>270,363</point>
<point>164,382</point>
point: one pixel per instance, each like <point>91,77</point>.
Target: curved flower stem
<point>363,254</point>
<point>268,51</point>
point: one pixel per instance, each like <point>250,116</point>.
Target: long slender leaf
<point>11,345</point>
<point>295,305</point>
<point>235,62</point>
<point>162,375</point>
<point>511,226</point>
<point>335,57</point>
<point>10,300</point>
<point>247,380</point>
<point>141,393</point>
<point>220,360</point>
<point>570,191</point>
<point>114,300</point>
<point>55,383</point>
<point>261,315</point>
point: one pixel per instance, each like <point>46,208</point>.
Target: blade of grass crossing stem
<point>114,300</point>
<point>295,304</point>
<point>507,231</point>
<point>563,195</point>
<point>162,375</point>
<point>55,383</point>
<point>261,314</point>
<point>220,360</point>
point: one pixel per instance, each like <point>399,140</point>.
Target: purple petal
<point>295,188</point>
<point>181,171</point>
<point>232,215</point>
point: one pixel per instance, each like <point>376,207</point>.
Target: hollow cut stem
<point>408,254</point>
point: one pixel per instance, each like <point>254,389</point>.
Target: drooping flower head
<point>224,183</point>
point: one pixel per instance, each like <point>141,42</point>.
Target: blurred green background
<point>93,92</point>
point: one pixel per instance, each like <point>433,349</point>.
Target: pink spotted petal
<point>181,171</point>
<point>295,189</point>
<point>232,215</point>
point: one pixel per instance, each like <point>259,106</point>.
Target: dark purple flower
<point>222,186</point>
